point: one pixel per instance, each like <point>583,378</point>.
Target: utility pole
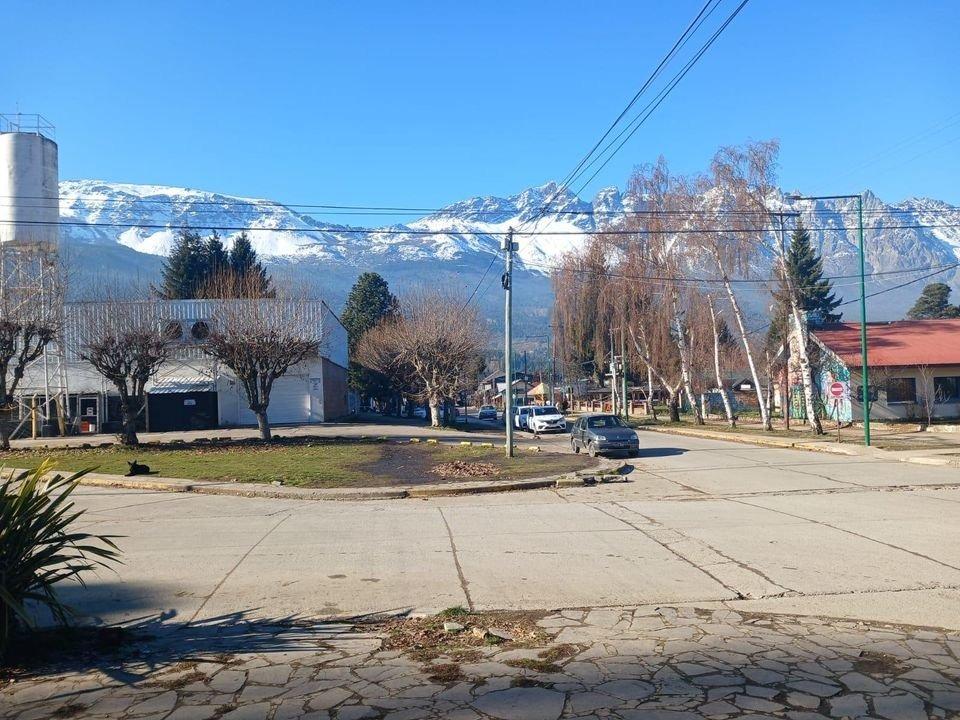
<point>613,376</point>
<point>865,378</point>
<point>507,281</point>
<point>623,375</point>
<point>864,355</point>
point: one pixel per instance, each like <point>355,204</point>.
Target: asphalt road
<point>701,521</point>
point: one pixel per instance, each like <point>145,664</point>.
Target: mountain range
<point>118,233</point>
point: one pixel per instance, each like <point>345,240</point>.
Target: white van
<point>521,414</point>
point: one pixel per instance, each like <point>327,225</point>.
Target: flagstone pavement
<point>666,663</point>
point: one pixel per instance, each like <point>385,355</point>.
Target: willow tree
<point>663,257</point>
<point>578,284</point>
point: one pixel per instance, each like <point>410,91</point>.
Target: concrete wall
<point>884,409</point>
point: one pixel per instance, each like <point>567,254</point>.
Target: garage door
<point>289,402</point>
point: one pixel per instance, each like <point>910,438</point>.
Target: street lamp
<point>865,374</point>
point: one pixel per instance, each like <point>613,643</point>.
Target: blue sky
<point>424,104</point>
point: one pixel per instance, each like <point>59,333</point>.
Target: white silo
<point>29,182</point>
<point>31,278</point>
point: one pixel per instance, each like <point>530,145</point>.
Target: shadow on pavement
<point>670,663</point>
<point>660,452</point>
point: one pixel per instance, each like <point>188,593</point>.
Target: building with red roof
<point>914,368</point>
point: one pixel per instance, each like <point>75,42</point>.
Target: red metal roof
<point>896,344</point>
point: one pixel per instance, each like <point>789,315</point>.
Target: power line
<point>422,232</point>
<point>642,117</point>
<point>878,292</point>
<point>712,280</point>
<point>681,41</point>
<point>454,214</point>
<point>480,282</point>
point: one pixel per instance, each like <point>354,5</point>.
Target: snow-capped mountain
<point>122,231</point>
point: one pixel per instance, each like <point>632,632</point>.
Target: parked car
<point>421,412</point>
<point>520,415</point>
<point>545,419</point>
<point>487,412</point>
<point>603,434</point>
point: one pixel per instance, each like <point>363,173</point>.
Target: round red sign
<point>837,390</point>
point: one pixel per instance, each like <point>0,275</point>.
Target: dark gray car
<point>603,434</point>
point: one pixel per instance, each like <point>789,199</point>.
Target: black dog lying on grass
<point>138,469</point>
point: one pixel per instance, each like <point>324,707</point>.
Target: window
<point>604,421</point>
<point>901,390</point>
<point>946,389</point>
<point>546,410</point>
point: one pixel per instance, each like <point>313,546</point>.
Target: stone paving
<point>667,663</point>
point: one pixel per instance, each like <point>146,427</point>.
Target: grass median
<point>316,464</point>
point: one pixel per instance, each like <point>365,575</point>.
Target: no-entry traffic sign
<point>838,390</point>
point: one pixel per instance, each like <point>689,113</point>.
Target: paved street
<point>724,580</point>
<point>701,521</point>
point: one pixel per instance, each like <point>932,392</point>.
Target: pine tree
<point>184,269</point>
<point>805,269</point>
<point>934,302</point>
<point>369,301</point>
<point>244,265</point>
<point>215,256</point>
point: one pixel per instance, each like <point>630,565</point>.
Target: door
<point>289,402</point>
<point>182,411</point>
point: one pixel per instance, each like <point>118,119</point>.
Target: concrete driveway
<point>702,521</point>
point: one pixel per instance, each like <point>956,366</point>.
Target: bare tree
<point>731,193</point>
<point>715,329</point>
<point>927,396</point>
<point>259,338</point>
<point>433,342</point>
<point>126,342</point>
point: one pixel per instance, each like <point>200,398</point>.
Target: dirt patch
<point>425,639</point>
<point>877,663</point>
<point>420,463</point>
<point>446,673</point>
<point>464,468</point>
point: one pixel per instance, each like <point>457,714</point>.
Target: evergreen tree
<point>244,264</point>
<point>934,303</point>
<point>369,301</point>
<point>216,258</point>
<point>184,270</point>
<point>805,269</point>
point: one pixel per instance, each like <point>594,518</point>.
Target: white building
<point>193,391</point>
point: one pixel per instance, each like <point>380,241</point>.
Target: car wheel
<point>575,446</point>
<point>592,450</point>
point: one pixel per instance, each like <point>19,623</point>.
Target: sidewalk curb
<point>931,460</point>
<point>759,440</point>
<point>288,492</point>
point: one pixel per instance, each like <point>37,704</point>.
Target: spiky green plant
<point>38,548</point>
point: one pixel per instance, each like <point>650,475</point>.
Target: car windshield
<point>488,407</point>
<point>548,410</point>
<point>605,421</point>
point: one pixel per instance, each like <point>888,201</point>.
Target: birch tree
<point>728,195</point>
<point>721,387</point>
<point>753,172</point>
